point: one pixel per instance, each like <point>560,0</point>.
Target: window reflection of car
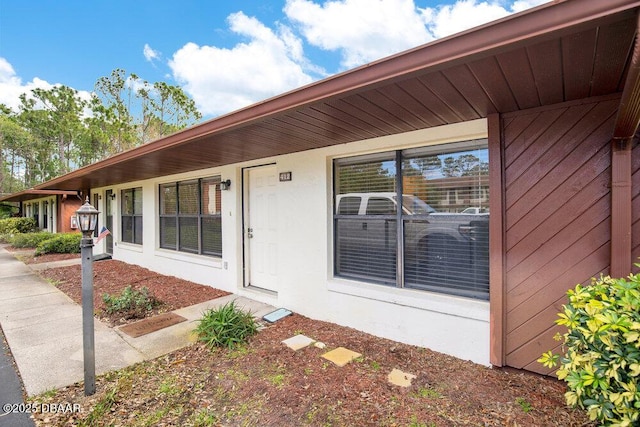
<point>414,209</point>
<point>379,204</point>
<point>475,211</point>
<point>438,245</point>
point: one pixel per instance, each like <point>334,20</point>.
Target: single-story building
<point>53,210</point>
<point>511,147</point>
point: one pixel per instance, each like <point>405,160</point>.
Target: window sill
<point>423,300</point>
<point>190,258</point>
<point>129,247</point>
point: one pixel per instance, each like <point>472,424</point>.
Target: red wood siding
<point>635,207</point>
<point>496,241</point>
<point>67,207</point>
<point>557,174</point>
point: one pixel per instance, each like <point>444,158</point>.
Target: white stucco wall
<point>453,325</point>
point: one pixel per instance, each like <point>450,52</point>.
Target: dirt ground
<point>266,384</point>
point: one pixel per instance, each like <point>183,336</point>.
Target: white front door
<point>261,228</point>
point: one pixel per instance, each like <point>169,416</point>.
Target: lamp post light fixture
<point>87,217</point>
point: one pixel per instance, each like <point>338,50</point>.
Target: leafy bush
<point>131,303</point>
<point>29,240</point>
<point>18,225</point>
<point>61,243</point>
<point>226,326</point>
<point>602,361</point>
<point>5,211</point>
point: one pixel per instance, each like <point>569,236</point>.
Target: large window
<point>437,240</point>
<point>131,218</point>
<point>190,216</point>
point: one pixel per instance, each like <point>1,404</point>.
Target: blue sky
<point>224,54</point>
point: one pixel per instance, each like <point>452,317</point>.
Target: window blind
<point>442,209</point>
<point>190,216</point>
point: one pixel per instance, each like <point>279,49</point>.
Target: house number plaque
<point>285,176</point>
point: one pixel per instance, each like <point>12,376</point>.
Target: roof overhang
<point>31,194</point>
<point>560,51</point>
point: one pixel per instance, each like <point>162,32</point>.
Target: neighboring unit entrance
<point>108,207</point>
<point>260,227</point>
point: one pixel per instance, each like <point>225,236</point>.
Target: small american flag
<point>103,233</point>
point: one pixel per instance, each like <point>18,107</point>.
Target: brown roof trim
<point>628,117</point>
<point>36,194</point>
<point>501,34</point>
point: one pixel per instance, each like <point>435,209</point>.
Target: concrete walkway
<point>43,328</point>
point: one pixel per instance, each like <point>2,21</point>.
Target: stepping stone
<point>274,316</point>
<point>399,378</point>
<point>341,356</point>
<point>152,324</point>
<point>298,342</point>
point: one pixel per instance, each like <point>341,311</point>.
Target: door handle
<point>250,233</point>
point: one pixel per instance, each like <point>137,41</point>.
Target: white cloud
<point>464,14</point>
<point>272,60</point>
<point>136,84</point>
<point>6,71</point>
<point>366,30</point>
<point>149,53</point>
<point>520,5</point>
<point>222,80</point>
<point>11,86</point>
<point>362,30</point>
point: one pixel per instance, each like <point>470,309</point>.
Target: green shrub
<point>61,243</point>
<point>602,361</point>
<point>131,303</point>
<point>18,225</point>
<point>6,211</point>
<point>225,326</point>
<point>29,240</point>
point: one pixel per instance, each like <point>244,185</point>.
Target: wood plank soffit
<point>628,117</point>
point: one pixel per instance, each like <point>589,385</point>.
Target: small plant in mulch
<point>226,326</point>
<point>131,303</point>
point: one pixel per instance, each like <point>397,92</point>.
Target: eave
<point>557,52</point>
<point>31,194</point>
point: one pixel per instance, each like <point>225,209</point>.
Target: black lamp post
<point>87,217</point>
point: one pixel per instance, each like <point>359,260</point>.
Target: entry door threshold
<point>262,290</point>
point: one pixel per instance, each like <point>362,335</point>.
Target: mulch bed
<point>267,384</point>
<point>26,255</point>
<point>111,277</point>
<point>264,383</point>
